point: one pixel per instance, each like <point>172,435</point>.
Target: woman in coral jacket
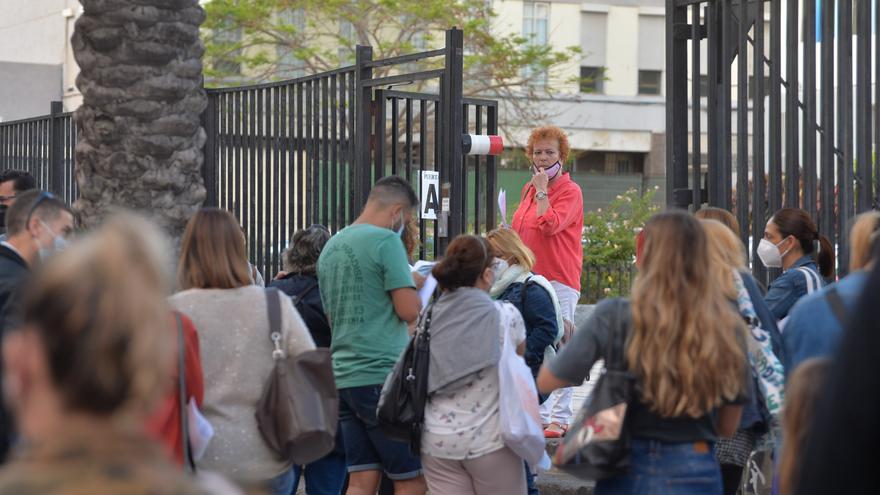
<point>550,221</point>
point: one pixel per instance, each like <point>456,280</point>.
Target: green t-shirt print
<point>357,269</point>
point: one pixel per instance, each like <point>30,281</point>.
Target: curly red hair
<point>549,132</point>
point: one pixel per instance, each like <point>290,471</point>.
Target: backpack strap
<point>522,291</point>
<point>299,297</point>
<point>181,385</point>
<point>814,283</point>
<point>273,307</point>
<point>837,305</point>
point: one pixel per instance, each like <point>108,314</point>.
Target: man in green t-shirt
<point>369,297</point>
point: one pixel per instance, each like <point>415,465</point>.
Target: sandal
<point>555,430</point>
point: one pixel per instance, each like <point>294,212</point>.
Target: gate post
<point>363,129</point>
<point>451,163</point>
<point>56,155</point>
<point>677,192</point>
<point>209,156</point>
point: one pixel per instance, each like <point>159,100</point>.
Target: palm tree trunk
<point>141,137</point>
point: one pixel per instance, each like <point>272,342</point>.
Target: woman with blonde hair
<point>531,294</point>
<point>816,324</point>
<point>762,414</point>
<point>232,318</point>
<point>89,364</point>
<point>684,345</point>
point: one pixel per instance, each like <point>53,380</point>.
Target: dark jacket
<point>540,319</point>
<point>309,307</point>
<point>13,273</point>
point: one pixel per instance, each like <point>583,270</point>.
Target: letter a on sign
<point>430,199</point>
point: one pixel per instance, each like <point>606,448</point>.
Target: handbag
<point>597,446</point>
<point>298,411</point>
<point>401,408</point>
<point>520,420</point>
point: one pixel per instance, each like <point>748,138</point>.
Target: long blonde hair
<point>684,346</point>
<point>862,236</point>
<point>507,244</point>
<point>725,250</point>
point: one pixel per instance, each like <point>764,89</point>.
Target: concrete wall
<point>38,32</point>
<point>26,90</point>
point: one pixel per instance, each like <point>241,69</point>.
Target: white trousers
<point>557,407</point>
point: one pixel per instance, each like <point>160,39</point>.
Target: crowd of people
<point>114,366</point>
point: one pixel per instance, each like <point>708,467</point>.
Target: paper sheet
<point>502,206</point>
<point>427,290</point>
<point>423,268</point>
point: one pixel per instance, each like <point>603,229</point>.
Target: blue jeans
<point>367,448</point>
<point>281,484</point>
<point>668,469</point>
<point>326,476</point>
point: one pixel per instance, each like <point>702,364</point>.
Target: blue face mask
<point>58,244</point>
<point>399,230</point>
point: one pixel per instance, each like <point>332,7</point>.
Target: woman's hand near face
<point>540,180</point>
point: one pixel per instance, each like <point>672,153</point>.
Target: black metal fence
<point>285,155</point>
<point>604,281</point>
<point>776,102</point>
<point>43,146</point>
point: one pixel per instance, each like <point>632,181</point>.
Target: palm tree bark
<point>141,136</point>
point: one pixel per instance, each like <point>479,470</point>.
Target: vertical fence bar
<point>844,128</point>
<point>380,134</point>
<point>363,133</point>
<point>491,170</point>
<point>676,106</point>
<point>325,151</point>
<point>56,153</point>
<point>395,135</point>
<point>453,110</point>
<point>742,117</point>
<point>810,120</point>
<point>791,108</point>
<point>877,103</point>
<point>826,212</point>
<point>335,176</point>
<point>696,109</point>
<point>353,161</point>
<point>209,160</point>
<point>478,193</point>
<point>864,152</point>
<point>725,106</point>
<point>408,133</point>
<point>774,194</point>
<point>311,190</point>
<point>423,165</point>
<point>463,173</point>
<point>713,48</point>
<point>758,140</point>
<point>257,229</point>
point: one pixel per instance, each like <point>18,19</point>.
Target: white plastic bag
<point>200,430</point>
<point>521,429</point>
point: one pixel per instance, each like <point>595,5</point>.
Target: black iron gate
<point>784,69</point>
<point>284,155</point>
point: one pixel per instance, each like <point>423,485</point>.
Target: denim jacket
<point>813,329</point>
<point>789,287</point>
<point>539,317</point>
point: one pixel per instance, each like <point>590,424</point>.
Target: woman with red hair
<point>550,221</point>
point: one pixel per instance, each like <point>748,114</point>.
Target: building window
<point>346,42</point>
<point>536,19</point>
<point>592,80</point>
<point>289,66</point>
<point>649,82</point>
<point>611,163</point>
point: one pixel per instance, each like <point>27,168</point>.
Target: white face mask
<point>769,253</point>
<point>499,267</point>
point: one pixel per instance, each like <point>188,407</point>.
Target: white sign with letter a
<point>430,206</point>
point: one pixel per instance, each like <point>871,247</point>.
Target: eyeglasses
<point>45,195</point>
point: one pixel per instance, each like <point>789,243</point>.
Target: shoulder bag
<point>299,409</point>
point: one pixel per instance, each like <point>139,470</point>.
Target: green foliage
<point>610,248</point>
<point>269,39</point>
